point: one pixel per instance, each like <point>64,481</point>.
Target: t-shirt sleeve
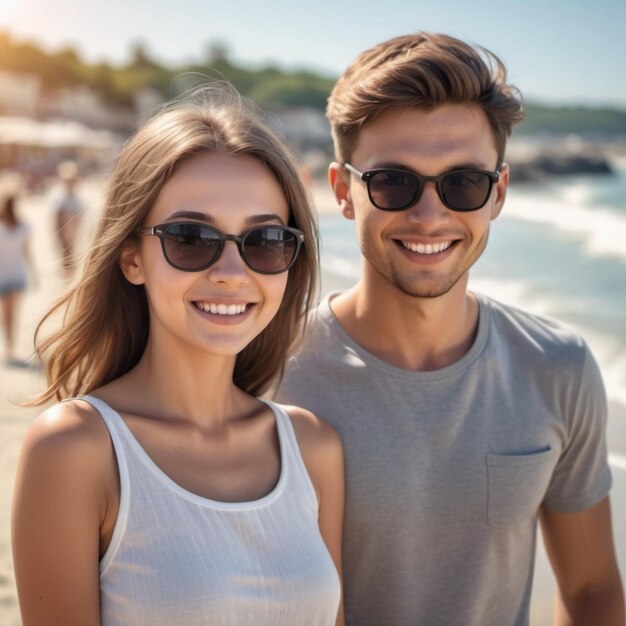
<point>582,476</point>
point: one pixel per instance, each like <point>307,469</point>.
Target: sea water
<point>557,249</point>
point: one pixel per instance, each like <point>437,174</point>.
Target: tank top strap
<point>117,431</point>
<point>291,453</point>
<point>111,418</point>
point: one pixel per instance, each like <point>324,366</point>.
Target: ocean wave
<point>341,267</point>
<point>602,229</point>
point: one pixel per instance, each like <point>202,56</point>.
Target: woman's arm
<point>322,452</point>
<point>59,503</point>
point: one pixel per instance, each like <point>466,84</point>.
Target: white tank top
<point>178,559</point>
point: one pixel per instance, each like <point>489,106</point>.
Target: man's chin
<point>429,289</point>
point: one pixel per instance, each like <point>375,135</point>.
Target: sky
<point>556,51</point>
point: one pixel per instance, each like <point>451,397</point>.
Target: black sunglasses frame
<point>494,177</point>
<point>160,231</point>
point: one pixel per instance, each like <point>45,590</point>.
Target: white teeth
<point>221,309</point>
<point>428,248</point>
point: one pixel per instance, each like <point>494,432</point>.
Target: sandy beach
<point>19,383</point>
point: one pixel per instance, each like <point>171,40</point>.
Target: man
<point>463,420</point>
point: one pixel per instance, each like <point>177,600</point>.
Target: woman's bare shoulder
<point>67,436</point>
<point>310,426</point>
<point>318,440</point>
<point>67,424</point>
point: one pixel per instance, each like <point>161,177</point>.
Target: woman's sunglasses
<point>192,247</point>
<point>464,189</point>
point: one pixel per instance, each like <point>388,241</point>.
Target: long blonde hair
<point>106,321</point>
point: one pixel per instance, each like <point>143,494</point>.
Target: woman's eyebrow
<point>205,217</point>
<point>193,215</point>
<point>267,217</point>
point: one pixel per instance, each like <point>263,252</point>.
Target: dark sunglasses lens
<point>465,190</point>
<point>393,190</point>
<point>191,246</point>
<point>270,250</point>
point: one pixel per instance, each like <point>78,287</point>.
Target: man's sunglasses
<point>192,247</point>
<point>465,189</point>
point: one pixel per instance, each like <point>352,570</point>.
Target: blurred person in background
<point>68,212</point>
<point>15,261</point>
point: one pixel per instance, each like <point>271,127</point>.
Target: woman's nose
<point>230,266</point>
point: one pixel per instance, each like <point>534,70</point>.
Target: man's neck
<point>417,334</point>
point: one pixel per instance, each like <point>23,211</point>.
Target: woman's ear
<point>130,263</point>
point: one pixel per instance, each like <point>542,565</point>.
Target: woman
<point>14,263</point>
<point>170,494</point>
<point>68,212</point>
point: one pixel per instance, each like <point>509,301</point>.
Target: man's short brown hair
<point>421,70</point>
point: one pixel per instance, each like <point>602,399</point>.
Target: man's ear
<point>130,263</point>
<point>341,189</point>
<point>501,188</point>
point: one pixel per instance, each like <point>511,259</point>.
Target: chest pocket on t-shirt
<point>516,485</point>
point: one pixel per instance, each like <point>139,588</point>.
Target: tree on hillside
<point>140,57</point>
<point>270,87</point>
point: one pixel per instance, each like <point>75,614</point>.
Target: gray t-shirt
<point>446,469</point>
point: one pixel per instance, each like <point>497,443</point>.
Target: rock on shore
<point>545,165</point>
